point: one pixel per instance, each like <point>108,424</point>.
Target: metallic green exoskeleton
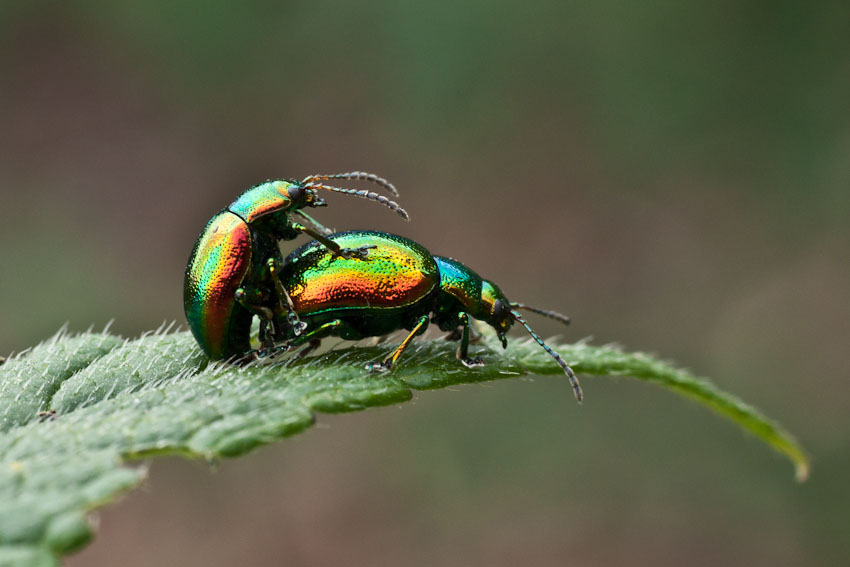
<point>399,285</point>
<point>231,273</point>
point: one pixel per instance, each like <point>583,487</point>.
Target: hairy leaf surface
<point>119,401</point>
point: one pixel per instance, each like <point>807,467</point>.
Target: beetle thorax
<point>263,200</point>
<point>460,288</point>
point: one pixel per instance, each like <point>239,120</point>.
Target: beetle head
<point>492,307</point>
<point>301,196</point>
<point>496,310</point>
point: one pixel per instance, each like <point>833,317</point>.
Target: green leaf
<point>118,401</point>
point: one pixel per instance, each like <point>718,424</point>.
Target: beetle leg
<point>316,224</point>
<point>297,325</point>
<point>311,337</point>
<point>463,348</point>
<point>311,346</point>
<point>337,250</point>
<point>262,312</point>
<point>329,244</point>
<point>315,335</point>
<point>457,334</point>
<point>390,361</point>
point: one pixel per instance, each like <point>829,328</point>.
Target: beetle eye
<point>296,193</point>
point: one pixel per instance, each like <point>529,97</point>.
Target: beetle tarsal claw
<point>377,367</point>
<point>475,362</point>
<point>361,253</point>
<point>298,326</point>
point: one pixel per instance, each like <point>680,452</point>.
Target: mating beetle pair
<point>351,285</point>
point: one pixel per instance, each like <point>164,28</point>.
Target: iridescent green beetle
<point>399,285</point>
<point>231,273</point>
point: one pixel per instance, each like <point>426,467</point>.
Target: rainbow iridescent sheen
<point>263,199</point>
<point>395,274</point>
<point>490,293</point>
<point>477,295</point>
<point>397,285</point>
<point>460,282</point>
<point>219,263</point>
<point>231,275</point>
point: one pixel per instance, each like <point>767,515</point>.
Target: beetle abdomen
<point>219,263</point>
<point>396,273</point>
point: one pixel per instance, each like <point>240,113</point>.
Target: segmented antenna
<point>363,194</point>
<point>359,175</point>
<point>569,371</point>
<point>545,312</point>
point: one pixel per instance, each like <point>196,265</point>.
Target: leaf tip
<point>802,469</point>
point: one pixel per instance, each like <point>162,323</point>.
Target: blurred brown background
<point>675,177</point>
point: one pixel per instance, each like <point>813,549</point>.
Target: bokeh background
<point>676,176</point>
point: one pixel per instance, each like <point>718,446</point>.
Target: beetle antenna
<point>359,175</point>
<point>545,312</point>
<point>569,371</point>
<point>362,193</point>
